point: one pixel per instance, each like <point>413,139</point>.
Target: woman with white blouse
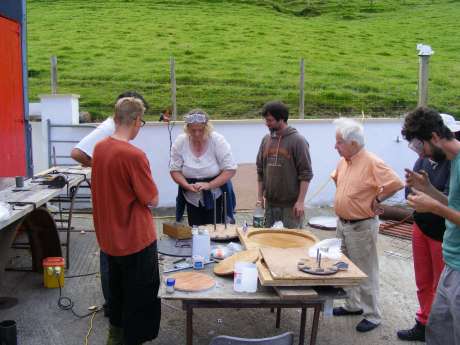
<point>202,165</point>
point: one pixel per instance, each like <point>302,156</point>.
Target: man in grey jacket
<point>283,169</point>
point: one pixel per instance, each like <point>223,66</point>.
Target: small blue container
<point>198,262</point>
<point>170,282</point>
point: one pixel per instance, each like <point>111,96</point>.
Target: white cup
<point>250,277</point>
<point>245,277</point>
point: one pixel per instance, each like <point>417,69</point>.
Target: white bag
<point>278,225</point>
<point>328,248</point>
<point>5,211</point>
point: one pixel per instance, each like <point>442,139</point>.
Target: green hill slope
<point>232,56</point>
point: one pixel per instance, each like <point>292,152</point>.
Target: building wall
<point>382,137</point>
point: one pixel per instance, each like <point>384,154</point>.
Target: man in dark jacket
<point>283,169</point>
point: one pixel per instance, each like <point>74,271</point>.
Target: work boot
<point>115,336</point>
<point>366,326</point>
<point>341,311</point>
<point>416,333</point>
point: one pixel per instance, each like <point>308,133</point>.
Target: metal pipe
<point>215,210</point>
<point>225,209</point>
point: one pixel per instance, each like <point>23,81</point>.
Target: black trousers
<point>134,281</point>
<point>201,215</point>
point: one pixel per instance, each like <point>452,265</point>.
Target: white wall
<point>245,137</point>
<point>39,157</point>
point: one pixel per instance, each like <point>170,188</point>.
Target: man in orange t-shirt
<point>363,181</point>
<point>123,192</point>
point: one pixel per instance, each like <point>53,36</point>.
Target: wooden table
<point>30,198</point>
<point>223,296</point>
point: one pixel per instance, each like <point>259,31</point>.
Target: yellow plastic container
<point>53,272</point>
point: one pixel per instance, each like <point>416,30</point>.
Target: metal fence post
<point>301,90</point>
<point>54,82</point>
<point>48,130</point>
<point>172,72</point>
<point>424,58</point>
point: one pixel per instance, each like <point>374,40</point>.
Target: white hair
<point>350,130</point>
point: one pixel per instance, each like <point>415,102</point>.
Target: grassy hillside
<point>232,56</point>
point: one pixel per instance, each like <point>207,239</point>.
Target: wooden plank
<point>266,279</point>
<point>282,264</point>
<point>39,194</point>
<point>226,267</point>
<point>16,214</point>
<point>296,292</point>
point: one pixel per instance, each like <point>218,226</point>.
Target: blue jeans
<point>104,269</point>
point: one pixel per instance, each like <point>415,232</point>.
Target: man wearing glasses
<point>428,134</point>
<point>123,192</point>
<point>83,153</point>
<point>427,231</point>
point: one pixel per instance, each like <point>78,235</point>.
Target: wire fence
<point>241,92</point>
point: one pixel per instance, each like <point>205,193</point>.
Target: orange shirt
<point>122,187</point>
<point>359,181</point>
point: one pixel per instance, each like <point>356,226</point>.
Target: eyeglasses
<point>416,145</point>
<point>142,123</point>
<point>195,118</point>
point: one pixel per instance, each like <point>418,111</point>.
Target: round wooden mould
<point>281,238</point>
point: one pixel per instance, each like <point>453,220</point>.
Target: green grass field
<point>233,56</point>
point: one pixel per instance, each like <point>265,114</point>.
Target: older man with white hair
<point>363,181</point>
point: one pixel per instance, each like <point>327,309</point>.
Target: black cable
<point>170,128</point>
<point>82,275</point>
<point>65,303</point>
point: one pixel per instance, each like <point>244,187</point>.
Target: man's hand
<point>418,180</point>
<point>260,203</point>
<point>298,209</point>
<point>422,202</point>
<point>377,207</point>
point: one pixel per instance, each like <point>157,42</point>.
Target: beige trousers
<point>359,244</point>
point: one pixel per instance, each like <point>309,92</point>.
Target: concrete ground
<point>40,321</point>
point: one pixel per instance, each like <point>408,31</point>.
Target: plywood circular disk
<point>324,223</point>
<point>221,233</point>
<point>281,238</point>
<point>227,266</point>
<point>192,281</point>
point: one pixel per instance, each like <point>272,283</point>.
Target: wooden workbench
<point>31,197</point>
<point>34,195</point>
<point>223,296</point>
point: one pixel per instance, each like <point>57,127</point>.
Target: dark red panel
<point>12,134</point>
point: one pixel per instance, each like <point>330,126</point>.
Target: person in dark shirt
<point>427,233</point>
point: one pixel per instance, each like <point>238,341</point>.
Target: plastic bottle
<point>201,243</point>
<point>194,230</point>
<point>258,217</point>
